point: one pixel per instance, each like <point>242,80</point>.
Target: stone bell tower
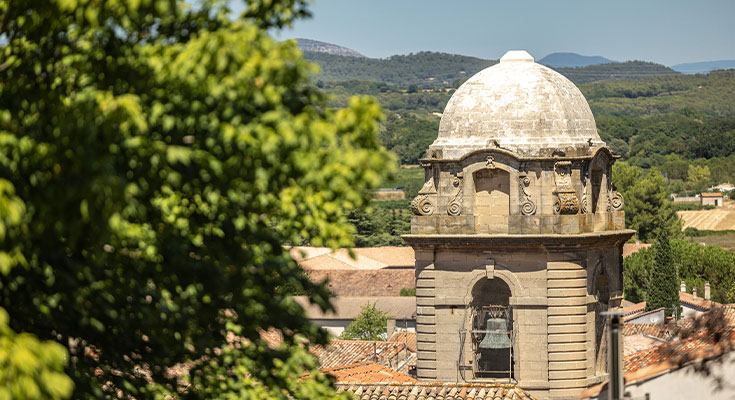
<point>518,233</point>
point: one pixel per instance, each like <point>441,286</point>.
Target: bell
<point>497,336</point>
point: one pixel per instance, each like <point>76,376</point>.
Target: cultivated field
<point>720,219</point>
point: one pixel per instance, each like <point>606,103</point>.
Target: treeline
<point>711,94</point>
<point>432,69</point>
<point>425,68</point>
<point>695,264</point>
<point>615,71</point>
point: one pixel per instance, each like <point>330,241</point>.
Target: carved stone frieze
<point>528,207</point>
<point>566,202</point>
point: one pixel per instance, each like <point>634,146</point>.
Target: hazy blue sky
<point>664,31</point>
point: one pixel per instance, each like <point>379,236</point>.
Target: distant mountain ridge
<point>572,60</point>
<point>703,67</point>
<point>328,48</point>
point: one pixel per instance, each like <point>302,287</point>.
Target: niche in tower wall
<point>492,200</point>
<point>596,178</point>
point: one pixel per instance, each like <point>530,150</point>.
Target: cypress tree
<point>662,280</point>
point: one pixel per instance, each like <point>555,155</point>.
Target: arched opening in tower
<point>492,329</point>
<point>492,201</point>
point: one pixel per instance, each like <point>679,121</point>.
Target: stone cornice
<point>549,241</point>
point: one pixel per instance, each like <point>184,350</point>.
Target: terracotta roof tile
<point>381,282</point>
<point>660,331</point>
<point>698,344</point>
<point>324,261</point>
<point>711,194</point>
<point>634,309</point>
<point>635,343</point>
<point>350,307</point>
<point>714,335</point>
<point>409,338</point>
<point>391,256</point>
<point>345,352</point>
<point>301,253</point>
<point>367,372</point>
<point>697,302</point>
<point>436,391</point>
<point>365,258</point>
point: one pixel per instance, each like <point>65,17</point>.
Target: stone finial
<point>694,292</point>
<point>707,291</point>
<point>516,55</point>
<point>683,287</point>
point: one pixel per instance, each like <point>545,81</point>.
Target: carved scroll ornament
<point>455,206</point>
<point>528,207</point>
<point>424,203</point>
<point>616,200</point>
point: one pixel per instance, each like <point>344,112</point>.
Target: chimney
<point>683,287</point>
<point>694,292</point>
<point>706,291</point>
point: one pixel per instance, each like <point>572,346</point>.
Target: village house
<point>714,199</point>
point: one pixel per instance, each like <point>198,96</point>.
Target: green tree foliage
<point>450,70</point>
<point>663,284</point>
<point>422,69</point>
<point>615,71</point>
<point>408,292</point>
<point>697,264</point>
<point>409,137</point>
<point>698,178</point>
<point>29,368</point>
<point>647,209</point>
<point>155,159</point>
<point>380,226</point>
<point>635,274</point>
<point>711,94</point>
<point>370,324</point>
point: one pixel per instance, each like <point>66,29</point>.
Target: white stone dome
<point>516,105</point>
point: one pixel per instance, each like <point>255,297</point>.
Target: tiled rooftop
<point>381,282</point>
<point>635,343</point>
<point>660,331</point>
<point>409,338</point>
<point>365,258</point>
<point>710,334</point>
<point>367,372</point>
<point>345,352</point>
<point>350,307</point>
<point>436,391</point>
<point>697,302</point>
<point>633,311</point>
